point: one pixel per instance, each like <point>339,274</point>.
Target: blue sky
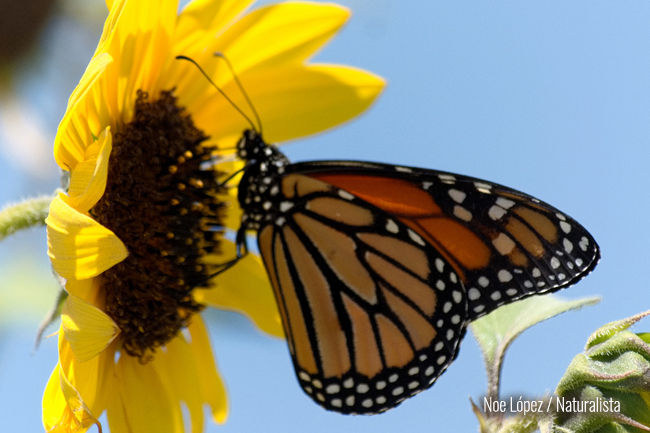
<point>551,98</point>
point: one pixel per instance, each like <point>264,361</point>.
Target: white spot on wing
<point>473,294</point>
<point>391,226</point>
<point>483,187</point>
<point>345,195</point>
<point>285,206</point>
<point>503,244</point>
<point>403,169</point>
<point>415,237</point>
<point>505,203</point>
<point>447,178</point>
<point>333,388</point>
<point>363,388</point>
<point>555,263</point>
<point>565,226</point>
<point>456,195</point>
<point>504,276</point>
<point>496,212</point>
<point>568,246</point>
<point>462,214</point>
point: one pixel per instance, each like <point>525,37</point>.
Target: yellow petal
<point>189,368</point>
<point>89,379</point>
<point>141,45</point>
<point>177,366</point>
<point>57,416</point>
<point>82,415</point>
<point>71,400</point>
<point>71,138</point>
<point>115,9</point>
<point>279,34</point>
<point>79,246</point>
<point>269,37</point>
<point>88,111</point>
<point>293,102</point>
<point>202,19</point>
<point>88,179</point>
<point>233,215</point>
<point>87,290</point>
<point>212,387</point>
<point>88,329</point>
<point>244,288</point>
<point>143,403</point>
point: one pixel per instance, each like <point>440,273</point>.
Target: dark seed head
<point>157,198</point>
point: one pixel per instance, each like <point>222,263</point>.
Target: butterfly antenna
<point>241,87</point>
<point>222,92</point>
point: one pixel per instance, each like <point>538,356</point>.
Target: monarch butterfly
<point>378,269</point>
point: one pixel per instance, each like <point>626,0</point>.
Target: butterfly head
<point>252,148</point>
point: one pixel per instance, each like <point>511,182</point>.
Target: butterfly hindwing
<point>504,244</point>
<point>373,313</point>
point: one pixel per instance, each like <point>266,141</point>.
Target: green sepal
<point>616,366</point>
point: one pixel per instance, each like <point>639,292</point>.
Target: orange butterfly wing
<point>504,245</point>
<point>373,313</point>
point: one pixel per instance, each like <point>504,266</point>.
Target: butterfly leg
<point>242,251</point>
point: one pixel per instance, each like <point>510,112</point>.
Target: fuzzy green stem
<point>23,215</point>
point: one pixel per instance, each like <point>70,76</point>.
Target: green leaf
<point>496,331</point>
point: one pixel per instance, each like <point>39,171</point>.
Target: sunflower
<point>138,235</point>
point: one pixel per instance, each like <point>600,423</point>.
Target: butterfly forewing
<point>504,244</point>
<point>373,313</point>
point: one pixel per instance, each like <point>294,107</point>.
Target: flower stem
<point>31,212</point>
